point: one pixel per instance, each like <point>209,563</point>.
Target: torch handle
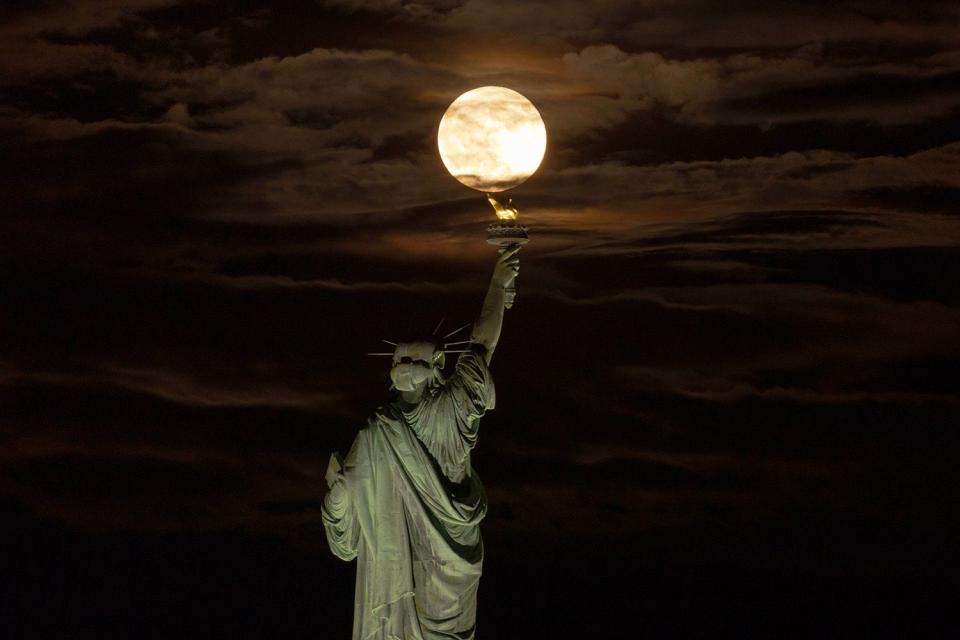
<point>510,290</point>
<point>511,294</point>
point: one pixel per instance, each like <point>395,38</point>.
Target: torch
<point>492,139</point>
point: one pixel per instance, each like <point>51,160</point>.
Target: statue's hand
<point>334,469</point>
<point>508,266</point>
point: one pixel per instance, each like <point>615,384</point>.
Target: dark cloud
<point>940,198</point>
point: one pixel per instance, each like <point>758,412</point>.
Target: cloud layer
<point>738,308</point>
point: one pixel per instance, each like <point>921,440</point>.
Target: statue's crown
<point>441,344</point>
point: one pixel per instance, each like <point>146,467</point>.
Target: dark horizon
<point>731,376</point>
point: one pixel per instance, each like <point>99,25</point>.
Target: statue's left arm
<point>486,330</point>
<point>338,511</point>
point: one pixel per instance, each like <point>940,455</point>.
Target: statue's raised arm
<point>486,330</point>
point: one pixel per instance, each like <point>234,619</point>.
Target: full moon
<point>491,139</point>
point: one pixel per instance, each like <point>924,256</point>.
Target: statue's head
<point>415,363</point>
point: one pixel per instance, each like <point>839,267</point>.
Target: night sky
<point>726,397</point>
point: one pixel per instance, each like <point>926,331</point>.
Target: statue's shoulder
<point>367,431</point>
<point>385,412</point>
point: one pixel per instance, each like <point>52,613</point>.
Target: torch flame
<point>504,211</point>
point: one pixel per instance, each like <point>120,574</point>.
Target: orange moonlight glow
<point>492,139</point>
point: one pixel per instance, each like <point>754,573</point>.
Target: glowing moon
<point>492,138</point>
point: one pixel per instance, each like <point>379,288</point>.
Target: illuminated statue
<point>406,502</point>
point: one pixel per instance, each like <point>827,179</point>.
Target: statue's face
<point>413,364</point>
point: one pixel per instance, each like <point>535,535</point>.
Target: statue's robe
<point>409,508</point>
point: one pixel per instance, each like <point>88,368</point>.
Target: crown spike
<point>439,324</point>
<point>456,331</point>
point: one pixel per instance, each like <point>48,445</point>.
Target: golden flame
<point>504,211</point>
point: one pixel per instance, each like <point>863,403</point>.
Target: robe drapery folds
<point>409,508</point>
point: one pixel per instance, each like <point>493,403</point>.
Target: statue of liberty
<point>406,502</point>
